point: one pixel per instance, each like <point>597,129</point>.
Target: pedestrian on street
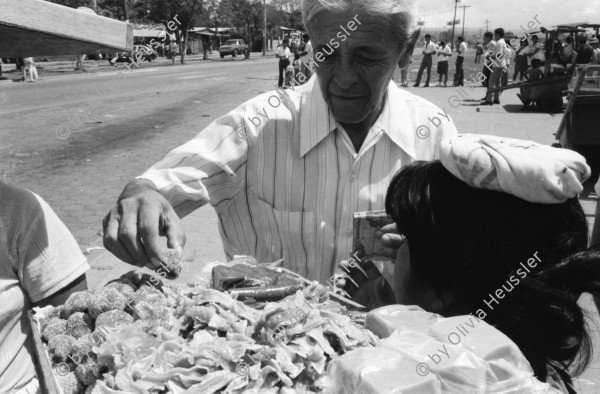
<point>521,60</point>
<point>490,44</point>
<point>478,52</point>
<point>286,171</point>
<point>498,59</point>
<point>508,54</point>
<point>29,65</point>
<point>283,54</point>
<point>173,50</point>
<point>307,57</point>
<point>79,65</point>
<point>444,52</point>
<point>459,75</point>
<point>428,50</point>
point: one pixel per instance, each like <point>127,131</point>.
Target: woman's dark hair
<point>470,242</point>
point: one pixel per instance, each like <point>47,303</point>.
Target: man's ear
<point>410,48</point>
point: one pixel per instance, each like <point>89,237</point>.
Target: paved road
<point>77,140</point>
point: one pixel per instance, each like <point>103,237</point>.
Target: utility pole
<point>265,28</point>
<point>454,22</point>
<point>487,25</point>
<point>464,7</point>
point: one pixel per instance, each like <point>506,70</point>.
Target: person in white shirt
<point>596,57</point>
<point>537,50</point>
<point>29,66</point>
<point>444,53</point>
<point>307,57</point>
<point>40,264</point>
<point>498,59</point>
<point>283,54</point>
<point>428,51</point>
<point>459,76</point>
<point>287,170</point>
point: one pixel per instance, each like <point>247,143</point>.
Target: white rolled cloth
<point>526,169</point>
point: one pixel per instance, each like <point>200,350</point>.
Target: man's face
<point>354,78</point>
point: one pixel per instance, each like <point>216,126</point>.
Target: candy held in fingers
<point>172,265</point>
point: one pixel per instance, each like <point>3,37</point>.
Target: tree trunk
<point>124,6</point>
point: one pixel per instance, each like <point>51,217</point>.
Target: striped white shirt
<point>285,179</point>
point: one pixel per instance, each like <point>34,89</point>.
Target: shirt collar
<point>317,121</point>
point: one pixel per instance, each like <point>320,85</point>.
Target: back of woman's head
<point>470,242</point>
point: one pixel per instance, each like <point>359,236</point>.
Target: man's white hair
<point>399,14</point>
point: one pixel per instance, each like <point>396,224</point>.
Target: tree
<point>178,16</point>
<point>246,16</point>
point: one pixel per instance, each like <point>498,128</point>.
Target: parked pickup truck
<point>233,48</point>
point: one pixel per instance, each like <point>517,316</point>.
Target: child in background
<point>443,54</point>
<point>297,66</point>
<point>289,75</point>
<point>535,73</point>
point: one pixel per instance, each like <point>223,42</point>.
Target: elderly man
<point>287,170</point>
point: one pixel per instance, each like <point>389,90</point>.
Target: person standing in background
<point>596,56</point>
<point>406,61</point>
<point>174,50</point>
<point>537,50</point>
<point>459,76</point>
<point>521,60</point>
<point>283,54</point>
<point>508,54</point>
<point>490,44</point>
<point>443,54</point>
<point>29,65</point>
<point>478,52</point>
<point>80,60</point>
<point>306,57</point>
<point>498,59</point>
<point>428,50</point>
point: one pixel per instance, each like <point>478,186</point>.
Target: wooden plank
<point>43,367</point>
<point>40,28</point>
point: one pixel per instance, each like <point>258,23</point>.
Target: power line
<point>464,7</point>
<point>487,24</point>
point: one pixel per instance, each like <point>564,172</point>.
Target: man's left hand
<point>391,239</point>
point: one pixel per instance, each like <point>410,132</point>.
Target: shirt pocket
<point>288,235</point>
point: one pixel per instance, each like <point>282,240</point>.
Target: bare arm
<point>60,297</point>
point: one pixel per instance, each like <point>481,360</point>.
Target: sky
<point>509,14</point>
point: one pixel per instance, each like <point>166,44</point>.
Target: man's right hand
<point>132,228</point>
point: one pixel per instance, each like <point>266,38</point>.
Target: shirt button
<point>350,233</point>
